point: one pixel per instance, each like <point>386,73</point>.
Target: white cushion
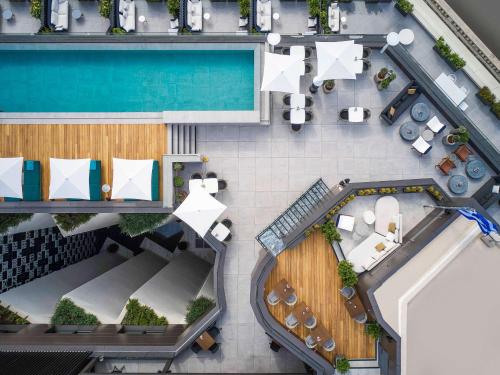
<point>421,145</point>
<point>435,125</point>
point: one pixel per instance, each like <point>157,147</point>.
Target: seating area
<point>400,103</point>
<point>59,14</point>
<point>263,15</point>
<point>126,15</point>
<point>194,15</point>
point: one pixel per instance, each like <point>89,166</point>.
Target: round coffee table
<point>409,131</point>
<point>276,16</point>
<point>76,14</point>
<point>406,37</point>
<point>428,135</point>
<point>475,169</point>
<point>420,112</point>
<point>458,184</point>
<point>273,38</point>
<point>7,14</point>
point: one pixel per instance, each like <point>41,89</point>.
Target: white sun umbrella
<point>199,210</point>
<point>132,179</point>
<point>282,73</point>
<point>69,179</point>
<point>336,60</point>
<point>11,177</point>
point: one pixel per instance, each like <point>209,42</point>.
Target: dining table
<point>354,306</point>
<point>205,341</point>
<point>297,115</point>
<point>211,185</point>
<point>355,114</point>
<point>302,312</point>
<point>283,290</point>
<point>320,334</point>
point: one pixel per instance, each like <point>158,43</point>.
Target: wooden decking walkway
<point>311,268</point>
<point>101,142</point>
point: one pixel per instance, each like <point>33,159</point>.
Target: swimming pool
<point>125,80</point>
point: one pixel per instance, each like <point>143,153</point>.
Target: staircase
<point>182,139</point>
<point>271,237</point>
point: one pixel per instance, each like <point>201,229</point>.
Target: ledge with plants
<point>197,308</point>
<point>134,224</point>
<point>404,7</point>
<point>69,222</point>
<point>315,9</point>
<point>8,221</point>
<point>174,7</point>
<point>180,194</point>
<point>142,315</point>
<point>373,330</point>
<point>495,109</point>
<point>244,8</point>
<point>67,313</point>
<point>486,96</point>
<point>342,365</point>
<point>453,60</point>
<point>347,274</point>
<point>9,317</point>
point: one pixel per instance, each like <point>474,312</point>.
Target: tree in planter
<point>105,8</point>
<point>445,51</point>
<point>458,135</point>
<point>330,232</point>
<point>134,224</point>
<point>328,86</point>
<point>347,274</point>
<point>36,9</point>
<point>11,220</point>
<point>373,330</point>
<point>391,76</point>
<point>314,8</point>
<point>197,308</point>
<point>244,8</point>
<point>174,7</point>
<point>142,315</point>
<point>342,365</point>
<point>67,313</point>
<point>178,167</point>
<point>68,222</point>
<point>178,181</point>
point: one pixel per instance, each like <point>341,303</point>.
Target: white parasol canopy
<point>69,179</point>
<point>11,177</point>
<point>199,210</point>
<point>336,60</point>
<point>132,179</point>
<point>282,73</point>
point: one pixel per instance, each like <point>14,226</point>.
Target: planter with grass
<point>342,365</point>
<point>8,221</point>
<point>134,224</point>
<point>140,317</point>
<point>404,7</point>
<point>486,96</point>
<point>69,314</point>
<point>452,59</point>
<point>69,222</point>
<point>347,274</point>
<point>328,86</point>
<point>495,109</point>
<point>197,308</point>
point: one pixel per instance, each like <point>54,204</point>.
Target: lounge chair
<point>95,180</point>
<point>126,15</point>
<point>421,146</point>
<point>435,125</point>
<point>194,15</point>
<point>263,19</point>
<point>32,186</point>
<point>334,17</point>
<point>446,165</point>
<point>463,152</point>
<point>59,12</point>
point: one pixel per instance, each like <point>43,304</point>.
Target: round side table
<point>428,135</point>
<point>406,37</point>
<point>76,14</point>
<point>206,16</point>
<point>276,16</point>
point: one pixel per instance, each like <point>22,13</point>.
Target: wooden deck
<point>311,269</point>
<point>101,142</point>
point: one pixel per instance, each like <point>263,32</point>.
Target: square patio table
<point>450,89</point>
<point>298,101</point>
<point>297,116</point>
<point>302,312</point>
<point>354,306</point>
<point>283,290</point>
<point>221,232</point>
<point>205,340</point>
<point>355,114</point>
<point>211,185</point>
<point>320,334</point>
<point>346,222</point>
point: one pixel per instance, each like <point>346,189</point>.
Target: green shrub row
<point>330,232</point>
<point>11,220</point>
<point>405,6</point>
<point>36,9</point>
<point>244,8</point>
<point>197,308</point>
<point>347,274</point>
<point>67,313</point>
<point>9,317</point>
<point>105,8</point>
<point>142,315</point>
<point>314,7</point>
<point>446,52</point>
<point>174,7</point>
<point>68,222</point>
<point>133,224</point>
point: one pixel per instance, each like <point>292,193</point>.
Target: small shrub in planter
<point>9,317</point>
<point>390,76</point>
<point>178,181</point>
<point>451,58</point>
<point>11,220</point>
<point>342,365</point>
<point>118,31</point>
<point>105,8</point>
<point>495,108</point>
<point>67,313</point>
<point>328,86</point>
<point>459,135</point>
<point>435,193</point>
<point>314,8</point>
<point>142,315</point>
<point>180,196</point>
<point>347,274</point>
<point>244,8</point>
<point>486,96</point>
<point>330,232</point>
<point>404,7</point>
<point>178,166</point>
<point>174,7</point>
<point>68,222</point>
<point>373,330</point>
<point>197,308</point>
<point>135,224</point>
<point>379,77</point>
<point>413,189</point>
<point>36,9</point>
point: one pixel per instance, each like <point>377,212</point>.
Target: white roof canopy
<point>336,60</point>
<point>11,177</point>
<point>282,73</point>
<point>199,210</point>
<point>69,179</point>
<point>132,179</point>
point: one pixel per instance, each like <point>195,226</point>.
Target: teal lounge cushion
<point>32,186</point>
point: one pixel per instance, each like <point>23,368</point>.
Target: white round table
<point>317,82</point>
<point>276,16</point>
<point>393,39</point>
<point>343,19</point>
<point>142,19</point>
<point>273,38</point>
<point>206,16</point>
<point>369,217</point>
<point>406,37</point>
<point>7,14</point>
<point>428,135</point>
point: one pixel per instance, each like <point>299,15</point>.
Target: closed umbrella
<point>69,179</point>
<point>282,73</point>
<point>336,60</point>
<point>11,177</point>
<point>132,179</point>
<point>199,210</point>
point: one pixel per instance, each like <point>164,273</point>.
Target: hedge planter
<point>403,13</point>
<point>495,112</point>
<point>448,55</point>
<point>482,99</point>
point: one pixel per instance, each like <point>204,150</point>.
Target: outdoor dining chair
<point>286,99</point>
<point>366,114</point>
<point>272,298</point>
<point>214,331</point>
<point>310,342</point>
<point>296,127</point>
<point>196,176</point>
<point>309,101</point>
<point>211,175</point>
<point>347,292</point>
<point>308,68</point>
<point>228,223</point>
<point>286,115</point>
<point>311,322</point>
<point>195,347</point>
<point>367,51</point>
<point>344,114</point>
<point>291,300</point>
<point>214,348</point>
<point>361,318</point>
<point>222,184</point>
<point>446,165</point>
<point>309,116</point>
<point>329,345</point>
<point>291,321</point>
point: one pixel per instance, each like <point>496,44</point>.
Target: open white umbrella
<point>132,179</point>
<point>282,73</point>
<point>11,177</point>
<point>69,179</point>
<point>199,210</point>
<point>336,60</point>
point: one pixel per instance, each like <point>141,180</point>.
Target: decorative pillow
<point>412,91</point>
<point>380,246</point>
<point>392,111</point>
<point>392,227</point>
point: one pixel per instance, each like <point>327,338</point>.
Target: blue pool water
<point>126,80</point>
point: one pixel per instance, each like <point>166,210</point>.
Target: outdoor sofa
<point>59,14</point>
<point>263,15</point>
<point>401,103</point>
<point>334,17</point>
<point>194,15</point>
<point>126,15</point>
<point>32,185</point>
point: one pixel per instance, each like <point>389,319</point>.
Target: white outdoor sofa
<point>195,15</point>
<point>365,256</point>
<point>59,14</point>
<point>264,15</point>
<point>334,17</point>
<point>127,15</point>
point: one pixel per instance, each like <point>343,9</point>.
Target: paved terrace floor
<point>100,142</point>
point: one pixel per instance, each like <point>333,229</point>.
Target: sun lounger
<point>263,19</point>
<point>59,12</point>
<point>126,15</point>
<point>194,15</point>
<point>421,146</point>
<point>334,17</point>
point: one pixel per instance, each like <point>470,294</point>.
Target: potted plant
<point>347,274</point>
<point>404,7</point>
<point>342,365</point>
<point>495,108</point>
<point>379,77</point>
<point>373,330</point>
<point>174,7</point>
<point>197,308</point>
<point>180,196</point>
<point>328,86</point>
<point>182,245</point>
<point>459,135</point>
<point>382,85</point>
<point>330,232</point>
<point>486,96</point>
<point>178,181</point>
<point>177,166</point>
